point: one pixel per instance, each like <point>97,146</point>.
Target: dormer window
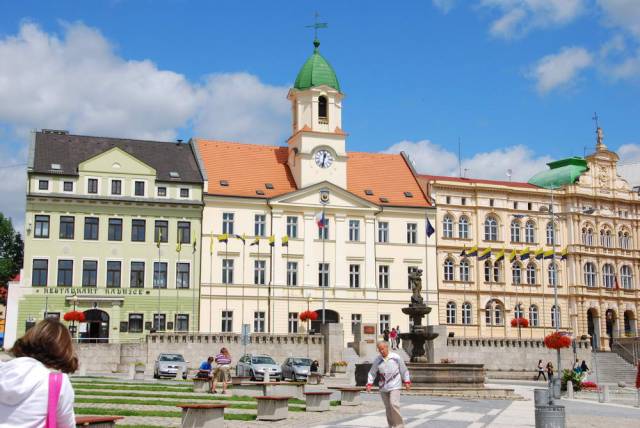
<point>322,109</point>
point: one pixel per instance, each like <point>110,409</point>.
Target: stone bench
<point>318,401</point>
<point>202,415</point>
<point>97,421</point>
<point>350,396</point>
<point>200,384</point>
<point>315,379</point>
<point>272,408</point>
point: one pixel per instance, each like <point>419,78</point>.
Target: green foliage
<point>570,375</point>
<point>11,253</point>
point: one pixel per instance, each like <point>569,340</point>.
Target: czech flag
<point>321,220</point>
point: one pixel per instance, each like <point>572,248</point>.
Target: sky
<point>516,82</point>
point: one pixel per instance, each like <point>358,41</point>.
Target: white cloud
<point>444,5</point>
<point>518,17</point>
<point>561,69</point>
<point>430,158</point>
<point>629,166</point>
<point>622,13</point>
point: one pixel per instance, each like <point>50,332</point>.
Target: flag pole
<point>211,284</point>
<point>179,250</point>
<point>243,284</point>
<point>258,284</point>
<point>158,279</point>
<point>226,283</point>
<point>270,279</point>
<point>288,285</point>
<point>193,286</point>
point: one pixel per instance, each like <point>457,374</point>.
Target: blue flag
<point>430,229</point>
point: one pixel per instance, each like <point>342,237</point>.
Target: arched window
<point>464,270</point>
<point>517,311</point>
<point>497,272</point>
<point>488,267</point>
<point>516,273</point>
<point>555,316</point>
<point>463,228</point>
<point>322,108</point>
<point>624,240</point>
<point>515,231</point>
<point>590,274</point>
<point>553,275</point>
<point>448,270</point>
<point>490,229</point>
<point>530,232</point>
<point>533,316</point>
<point>626,277</point>
<point>466,313</point>
<point>451,313</point>
<point>531,273</point>
<point>587,236</point>
<point>605,238</point>
<point>550,234</point>
<point>493,312</point>
<point>447,226</point>
<point>608,275</point>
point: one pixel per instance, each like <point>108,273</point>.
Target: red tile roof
<point>432,178</point>
<point>248,167</point>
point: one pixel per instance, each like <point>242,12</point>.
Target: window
<point>530,232</point>
<point>43,184</point>
<point>529,206</point>
<point>590,274</point>
<point>260,225</point>
<point>292,226</point>
<point>138,229</point>
<point>488,267</point>
<point>227,223</point>
<point>550,234</point>
<point>626,277</point>
<point>39,272</point>
<point>162,191</point>
<point>464,270</point>
<point>385,323</point>
<point>517,311</point>
<point>227,322</point>
<point>89,273</point>
<point>490,229</point>
<point>113,274</point>
<point>608,276</point>
<point>322,108</point>
<point>553,275</point>
<point>447,227</point>
<point>448,199</point>
<point>463,228</point>
<point>515,205</point>
<point>605,238</point>
<point>531,273</point>
<point>515,231</point>
<point>259,271</point>
<point>92,185</point>
<point>138,187</point>
<point>65,273</point>
<point>587,236</point>
<point>182,322</point>
<point>463,201</point>
<point>293,322</point>
<point>42,227</point>
<point>115,229</point>
<point>159,322</point>
<point>323,232</point>
<point>354,276</point>
<point>136,279</point>
<point>493,313</point>
<point>412,233</point>
<point>67,226</point>
<point>466,313</point>
<point>292,273</point>
<point>448,270</point>
<point>159,274</point>
<point>516,273</point>
<point>356,321</point>
<point>410,270</point>
<point>555,316</point>
<point>116,187</point>
<point>624,240</point>
<point>354,230</point>
<point>182,275</point>
<point>383,231</point>
<point>227,271</point>
<point>161,231</point>
<point>383,276</point>
<point>497,272</point>
<point>533,316</point>
<point>258,322</point>
<point>451,313</point>
<point>91,228</point>
<point>67,186</point>
<point>184,232</point>
<point>491,203</point>
<point>323,274</point>
<point>184,192</point>
<point>136,322</point>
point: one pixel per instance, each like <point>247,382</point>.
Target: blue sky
<point>516,80</point>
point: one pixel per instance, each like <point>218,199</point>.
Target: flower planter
<point>138,372</point>
<point>338,369</point>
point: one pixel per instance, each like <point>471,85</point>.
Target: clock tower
<point>317,144</point>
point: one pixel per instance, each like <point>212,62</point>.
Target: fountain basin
<point>434,375</point>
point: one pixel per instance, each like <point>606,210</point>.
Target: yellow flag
<point>211,244</point>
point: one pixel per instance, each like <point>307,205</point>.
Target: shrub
<point>557,340</point>
<point>575,378</point>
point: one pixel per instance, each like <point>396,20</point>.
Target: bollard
<point>541,397</point>
<point>638,401</point>
<point>605,394</point>
<point>570,390</point>
<point>556,387</point>
<point>266,378</point>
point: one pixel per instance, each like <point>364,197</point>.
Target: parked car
<point>255,367</point>
<point>296,368</point>
<point>168,365</point>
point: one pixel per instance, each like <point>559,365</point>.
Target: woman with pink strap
<point>33,392</point>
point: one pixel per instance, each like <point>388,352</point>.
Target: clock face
<point>323,158</point>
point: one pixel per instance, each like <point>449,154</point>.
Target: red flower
<point>589,385</point>
<point>308,315</point>
<point>313,315</point>
<point>74,316</point>
<point>557,340</point>
<point>522,321</point>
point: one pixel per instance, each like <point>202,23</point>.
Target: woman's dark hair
<point>50,343</point>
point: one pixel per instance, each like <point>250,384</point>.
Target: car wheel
<point>253,376</point>
<point>294,378</point>
<point>155,375</point>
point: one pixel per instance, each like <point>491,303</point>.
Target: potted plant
<point>447,361</point>
<point>520,322</point>
<point>557,340</point>
<point>339,367</point>
<point>139,368</point>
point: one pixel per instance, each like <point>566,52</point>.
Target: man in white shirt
<point>392,374</point>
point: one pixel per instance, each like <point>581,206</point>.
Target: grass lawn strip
<point>133,383</point>
<point>151,413</point>
<point>182,396</point>
<point>165,405</point>
<point>124,387</point>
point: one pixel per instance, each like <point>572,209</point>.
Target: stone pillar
<point>333,343</point>
<point>341,274</point>
<point>370,252</point>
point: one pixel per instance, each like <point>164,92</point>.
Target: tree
<point>11,252</point>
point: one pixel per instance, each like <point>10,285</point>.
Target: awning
<point>562,172</point>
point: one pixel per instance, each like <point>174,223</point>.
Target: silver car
<point>255,366</point>
<point>296,368</point>
<point>169,365</point>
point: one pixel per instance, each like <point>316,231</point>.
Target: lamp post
<point>74,299</point>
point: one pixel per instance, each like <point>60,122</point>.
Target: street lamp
<point>74,299</point>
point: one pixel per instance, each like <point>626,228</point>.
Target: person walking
<point>584,367</point>
<point>541,370</point>
<point>385,335</point>
<point>393,337</point>
<point>222,372</point>
<point>550,371</point>
<point>33,391</point>
<point>398,338</point>
<point>392,373</point>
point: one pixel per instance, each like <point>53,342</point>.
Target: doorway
<point>97,327</point>
<point>593,328</point>
<point>329,317</point>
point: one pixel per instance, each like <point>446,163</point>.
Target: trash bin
<point>541,397</point>
<point>550,417</point>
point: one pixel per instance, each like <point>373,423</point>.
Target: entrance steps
<point>612,369</point>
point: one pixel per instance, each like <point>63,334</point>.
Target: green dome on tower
<point>316,71</point>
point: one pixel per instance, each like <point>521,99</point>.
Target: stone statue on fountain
<point>415,279</point>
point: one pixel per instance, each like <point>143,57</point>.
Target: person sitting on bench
<point>204,372</point>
